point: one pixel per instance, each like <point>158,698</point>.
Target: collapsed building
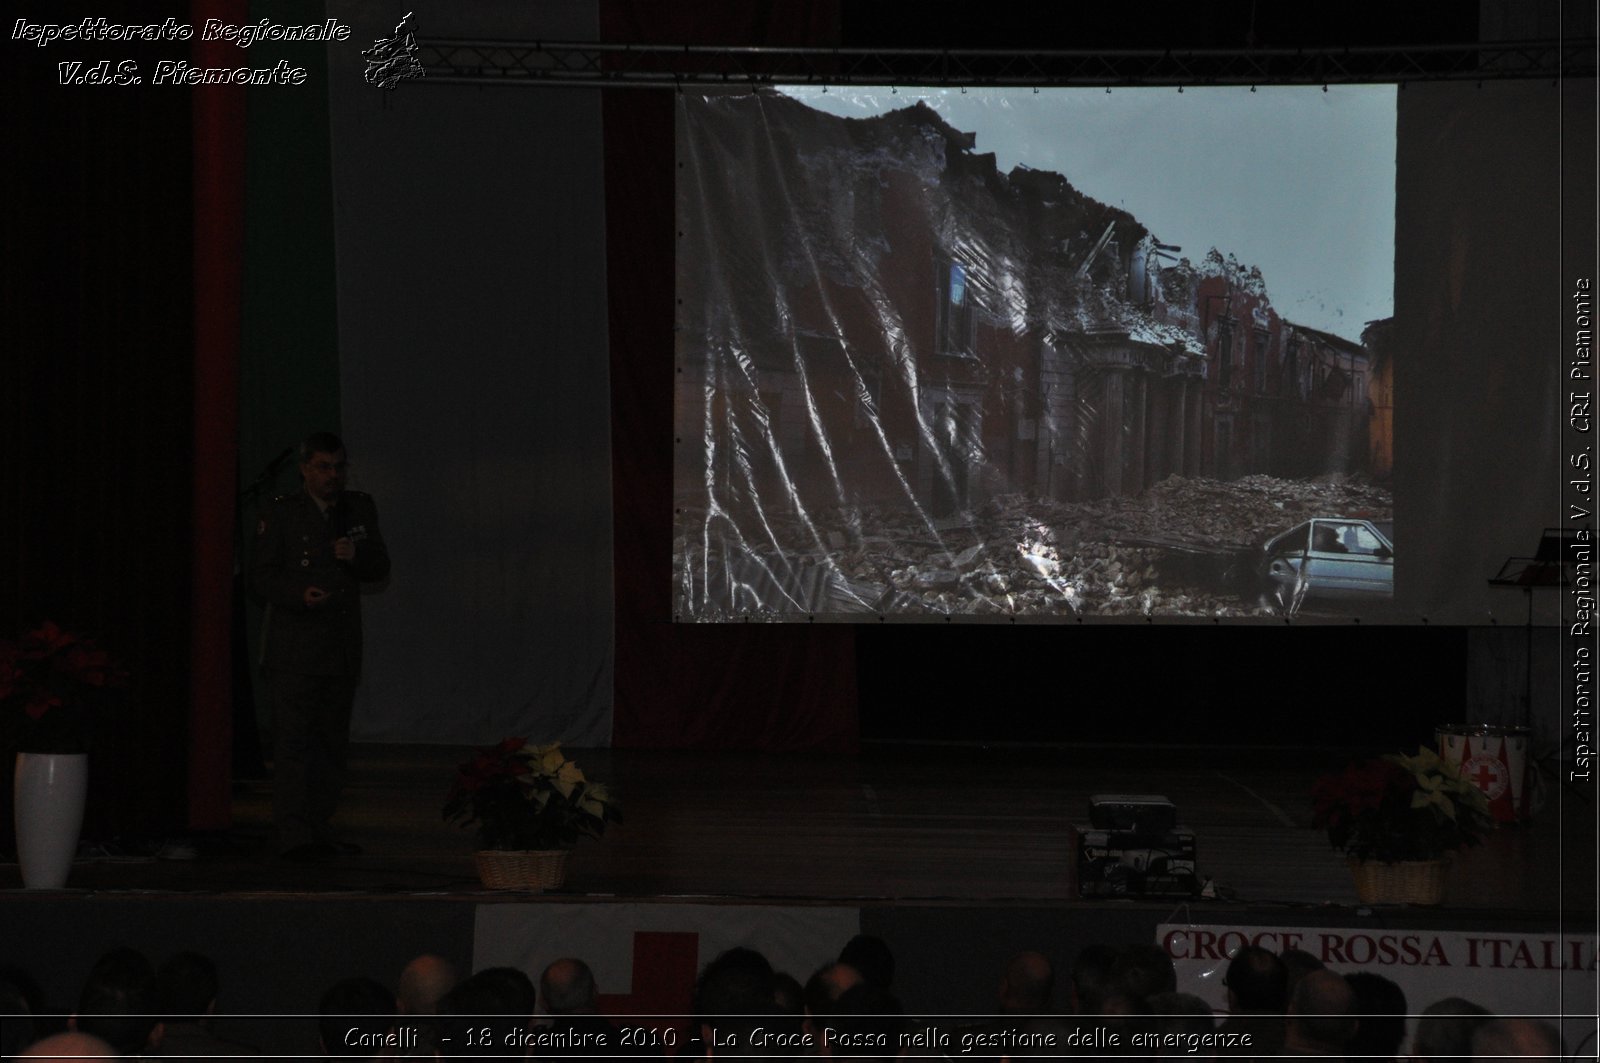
<point>872,316</point>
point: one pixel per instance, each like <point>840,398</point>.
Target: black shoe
<point>346,848</point>
<point>309,853</point>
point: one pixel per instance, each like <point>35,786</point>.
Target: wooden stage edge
<point>909,824</point>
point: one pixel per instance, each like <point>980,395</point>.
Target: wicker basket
<point>1404,882</point>
<point>529,869</point>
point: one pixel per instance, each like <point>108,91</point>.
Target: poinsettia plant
<point>521,796</point>
<point>1397,808</point>
<point>51,682</point>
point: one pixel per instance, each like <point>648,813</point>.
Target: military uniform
<point>312,654</point>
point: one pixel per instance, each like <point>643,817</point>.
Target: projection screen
<point>1035,354</point>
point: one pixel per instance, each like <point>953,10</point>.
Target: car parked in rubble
<point>1329,558</point>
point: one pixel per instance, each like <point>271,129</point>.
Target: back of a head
<point>1298,963</point>
<point>1444,1029</point>
<point>737,994</point>
<point>73,1047</point>
<point>1091,976</point>
<point>824,988</point>
<point>18,1029</point>
<point>118,1001</point>
<point>1322,1010</point>
<point>1380,1008</point>
<point>186,987</point>
<point>866,1023</point>
<point>1142,971</point>
<point>871,956</point>
<point>735,990</point>
<point>510,986</point>
<point>567,987</point>
<point>423,983</point>
<point>735,959</point>
<point>1030,980</point>
<point>1182,1015</point>
<point>1516,1038</point>
<point>1258,981</point>
<point>354,1016</point>
<point>500,1000</point>
<point>789,994</point>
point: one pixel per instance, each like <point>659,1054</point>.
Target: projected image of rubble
<point>912,385</point>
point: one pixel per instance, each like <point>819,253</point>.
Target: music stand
<point>1548,567</point>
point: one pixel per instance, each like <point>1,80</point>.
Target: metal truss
<point>545,63</point>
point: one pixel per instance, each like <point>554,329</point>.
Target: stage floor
<point>911,824</point>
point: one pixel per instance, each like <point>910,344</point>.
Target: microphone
<point>339,525</point>
<point>272,466</point>
<point>338,519</point>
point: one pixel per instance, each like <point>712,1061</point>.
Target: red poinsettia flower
<point>49,679</point>
<point>47,638</point>
<point>41,703</point>
<point>1371,811</point>
<point>521,796</point>
<point>9,672</point>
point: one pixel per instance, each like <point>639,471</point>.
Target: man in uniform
<point>313,550</point>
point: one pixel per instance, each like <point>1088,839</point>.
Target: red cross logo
<point>664,968</point>
<point>1488,774</point>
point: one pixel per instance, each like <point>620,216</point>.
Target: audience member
<point>1257,982</point>
<point>487,1014</point>
<point>18,1029</point>
<point>186,988</point>
<point>1183,1021</point>
<point>117,1004</point>
<point>735,995</point>
<point>356,1019</point>
<point>1258,996</point>
<point>824,988</point>
<point>512,985</point>
<point>127,1010</point>
<point>1023,1005</point>
<point>70,1047</point>
<point>1091,978</point>
<point>866,1024</point>
<point>572,1001</point>
<point>871,956</point>
<point>790,994</point>
<point>1513,1038</point>
<point>1141,971</point>
<point>1444,1030</point>
<point>1380,1016</point>
<point>1297,963</point>
<point>1027,985</point>
<point>1321,1016</point>
<point>423,983</point>
<point>567,988</point>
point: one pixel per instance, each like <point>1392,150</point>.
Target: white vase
<point>49,793</point>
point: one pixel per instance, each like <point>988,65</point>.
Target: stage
<point>903,823</point>
<point>958,855</point>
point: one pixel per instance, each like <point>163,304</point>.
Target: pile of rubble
<point>1186,547</point>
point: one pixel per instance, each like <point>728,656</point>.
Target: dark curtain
<point>680,685</point>
<point>96,398</point>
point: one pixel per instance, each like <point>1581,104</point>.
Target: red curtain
<point>219,144</point>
